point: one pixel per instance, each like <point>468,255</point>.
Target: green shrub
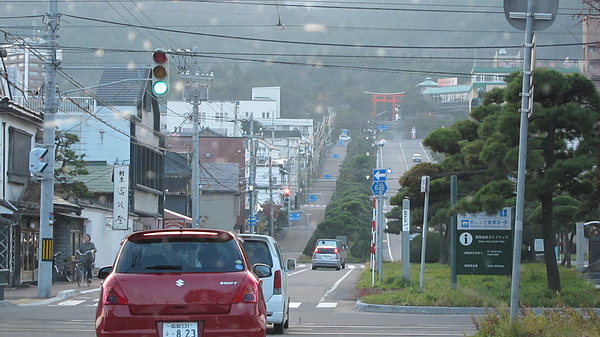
<point>432,252</point>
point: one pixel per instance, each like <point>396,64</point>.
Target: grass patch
<point>494,292</point>
<point>475,290</point>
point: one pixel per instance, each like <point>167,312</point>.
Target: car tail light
<point>335,250</point>
<point>112,293</point>
<point>316,250</point>
<point>247,292</point>
<point>277,283</point>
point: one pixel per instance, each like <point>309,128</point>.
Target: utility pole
<point>272,206</point>
<point>195,93</point>
<point>252,171</point>
<point>195,158</point>
<point>47,176</point>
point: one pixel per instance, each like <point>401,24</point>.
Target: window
<point>19,143</point>
<point>148,168</point>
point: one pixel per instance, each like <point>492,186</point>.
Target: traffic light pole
<point>47,183</point>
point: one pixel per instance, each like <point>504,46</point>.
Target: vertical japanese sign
<point>121,197</point>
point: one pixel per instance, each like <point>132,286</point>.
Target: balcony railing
<point>67,105</point>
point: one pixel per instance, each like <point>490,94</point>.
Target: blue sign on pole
<point>294,216</point>
<point>379,175</point>
<point>379,188</point>
<point>327,176</point>
<point>312,197</point>
<point>251,221</point>
<point>382,127</point>
<point>335,156</point>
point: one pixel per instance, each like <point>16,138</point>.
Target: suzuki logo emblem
<point>179,283</point>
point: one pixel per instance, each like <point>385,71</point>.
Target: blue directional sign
<point>327,176</point>
<point>294,216</point>
<point>312,197</point>
<point>379,175</point>
<point>335,156</point>
<point>251,221</point>
<point>382,127</point>
<point>379,188</point>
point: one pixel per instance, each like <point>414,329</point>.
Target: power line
<point>321,44</point>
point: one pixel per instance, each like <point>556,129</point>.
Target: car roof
<point>257,237</point>
<point>182,232</point>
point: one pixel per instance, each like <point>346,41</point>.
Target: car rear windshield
<point>258,252</point>
<point>179,255</point>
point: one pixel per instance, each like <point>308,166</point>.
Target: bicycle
<point>80,270</point>
<point>68,270</point>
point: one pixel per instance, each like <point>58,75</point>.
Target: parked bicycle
<point>68,270</point>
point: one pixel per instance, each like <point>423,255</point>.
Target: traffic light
<point>160,72</point>
<point>37,162</point>
<point>286,195</point>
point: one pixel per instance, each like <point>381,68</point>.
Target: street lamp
<point>307,223</point>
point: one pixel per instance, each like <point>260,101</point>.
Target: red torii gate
<point>387,97</point>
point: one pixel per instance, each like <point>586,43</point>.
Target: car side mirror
<point>262,270</point>
<point>290,264</point>
<point>104,271</point>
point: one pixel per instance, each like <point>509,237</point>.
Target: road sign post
<point>529,16</point>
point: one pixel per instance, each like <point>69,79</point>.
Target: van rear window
<point>258,252</point>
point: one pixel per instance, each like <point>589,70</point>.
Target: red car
<point>183,282</point>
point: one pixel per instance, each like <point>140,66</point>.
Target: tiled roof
<point>447,90</point>
<point>124,87</point>
<point>99,179</point>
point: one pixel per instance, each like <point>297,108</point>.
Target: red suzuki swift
<point>182,283</point>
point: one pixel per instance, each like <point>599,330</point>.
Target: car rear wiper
<point>165,267</point>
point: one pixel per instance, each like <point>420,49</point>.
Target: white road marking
<point>327,305</point>
<point>71,302</point>
<point>335,285</point>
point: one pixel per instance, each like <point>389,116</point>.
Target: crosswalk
<point>90,302</point>
<point>91,299</point>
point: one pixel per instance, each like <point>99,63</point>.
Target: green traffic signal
<point>160,87</point>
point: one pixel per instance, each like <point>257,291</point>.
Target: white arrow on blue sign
<point>379,188</point>
<point>294,217</point>
<point>379,175</point>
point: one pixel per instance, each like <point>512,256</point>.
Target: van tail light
<point>335,250</point>
<point>277,283</point>
<point>112,294</point>
<point>247,291</point>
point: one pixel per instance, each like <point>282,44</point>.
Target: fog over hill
<point>319,46</point>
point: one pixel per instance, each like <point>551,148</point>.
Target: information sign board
<point>485,243</point>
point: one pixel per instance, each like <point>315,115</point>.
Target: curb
<point>60,296</point>
<point>401,309</point>
<point>461,311</point>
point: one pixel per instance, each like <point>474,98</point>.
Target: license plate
<point>180,329</point>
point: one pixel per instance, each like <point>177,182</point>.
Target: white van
<point>264,249</point>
